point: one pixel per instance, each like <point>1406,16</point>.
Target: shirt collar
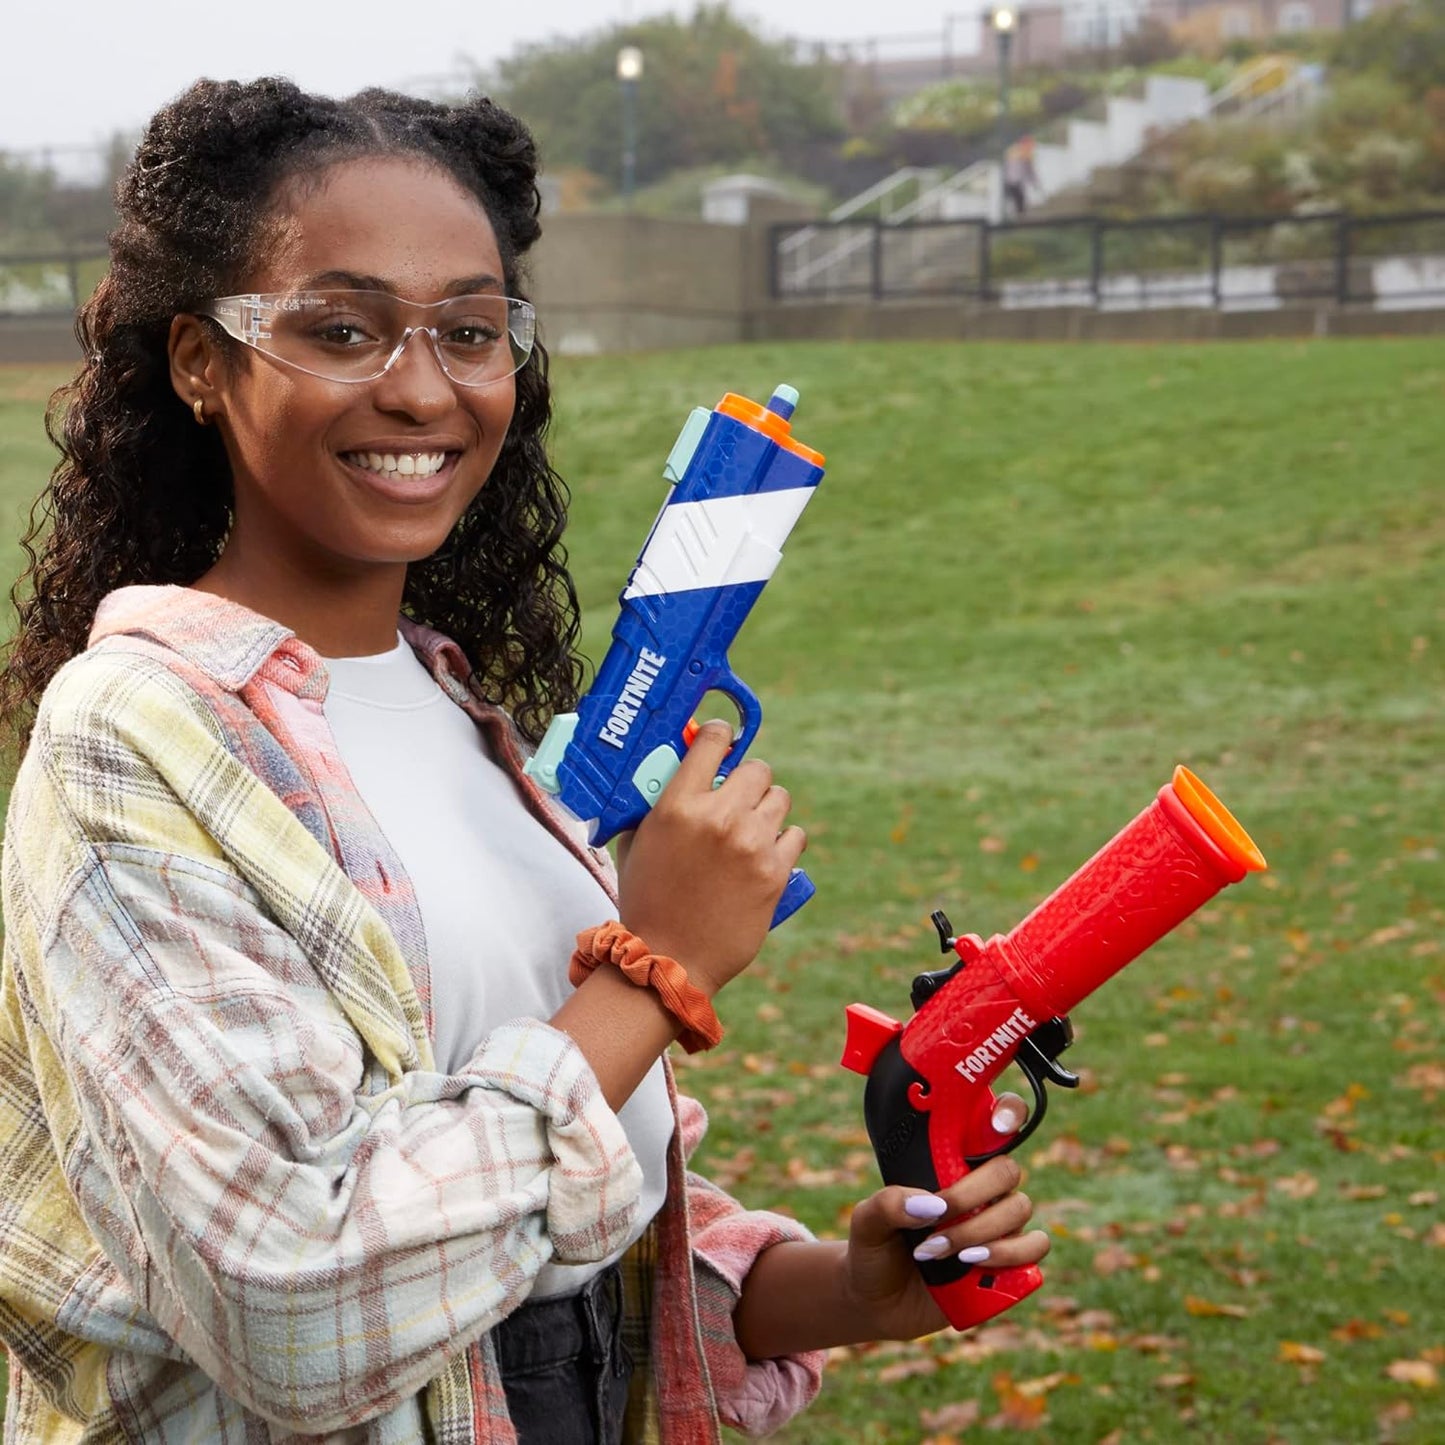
<point>230,643</point>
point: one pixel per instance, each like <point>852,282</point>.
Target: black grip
<point>899,1135</point>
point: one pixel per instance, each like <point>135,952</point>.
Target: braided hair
<point>141,495</point>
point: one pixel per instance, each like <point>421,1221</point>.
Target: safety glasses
<point>355,336</point>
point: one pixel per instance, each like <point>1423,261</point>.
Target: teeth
<point>405,464</point>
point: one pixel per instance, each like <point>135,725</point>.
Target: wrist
<point>613,945</point>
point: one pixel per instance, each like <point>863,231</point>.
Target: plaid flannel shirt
<point>237,1202</point>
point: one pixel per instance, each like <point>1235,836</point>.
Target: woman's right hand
<point>700,878</point>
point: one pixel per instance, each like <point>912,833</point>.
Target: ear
<point>196,363</point>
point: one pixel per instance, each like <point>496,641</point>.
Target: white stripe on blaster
<point>724,542</point>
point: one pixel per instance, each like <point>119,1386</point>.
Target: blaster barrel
<point>1168,862</point>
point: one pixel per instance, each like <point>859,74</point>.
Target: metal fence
<point>50,283</point>
<point>1219,262</point>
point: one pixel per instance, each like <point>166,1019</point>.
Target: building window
<point>1236,24</point>
<point>1295,16</point>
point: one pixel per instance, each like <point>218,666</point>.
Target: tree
<point>1405,43</point>
<point>712,91</point>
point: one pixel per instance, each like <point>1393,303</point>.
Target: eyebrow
<point>354,281</point>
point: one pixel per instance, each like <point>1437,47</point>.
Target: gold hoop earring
<point>198,408</point>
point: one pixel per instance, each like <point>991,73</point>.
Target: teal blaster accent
<point>680,457</point>
<point>542,766</point>
<point>655,772</point>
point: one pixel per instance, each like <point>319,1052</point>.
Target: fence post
<point>72,273</point>
<point>1216,258</point>
<point>1096,261</point>
<point>775,244</point>
<point>877,268</point>
<point>985,234</point>
<point>1342,261</point>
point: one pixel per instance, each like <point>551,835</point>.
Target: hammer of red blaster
<point>928,1103</point>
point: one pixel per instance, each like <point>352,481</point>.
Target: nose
<point>414,384</point>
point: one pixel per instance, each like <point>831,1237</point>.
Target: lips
<point>414,475</point>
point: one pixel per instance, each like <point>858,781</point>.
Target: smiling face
<point>339,482</point>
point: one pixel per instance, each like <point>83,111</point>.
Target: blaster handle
<point>799,890</point>
<point>967,1294</point>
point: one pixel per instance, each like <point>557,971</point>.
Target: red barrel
<point>1173,858</point>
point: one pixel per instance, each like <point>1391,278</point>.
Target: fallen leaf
<point>1363,1191</point>
<point>1297,1186</point>
<point>1420,1373</point>
<point>1113,1259</point>
<point>1017,1410</point>
<point>1357,1330</point>
<point>963,1415</point>
<point>1181,1381</point>
<point>907,1369</point>
<point>1044,1383</point>
<point>1207,1308</point>
<point>1291,1352</point>
<point>990,844</point>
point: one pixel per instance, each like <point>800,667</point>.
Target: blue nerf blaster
<point>739,483</point>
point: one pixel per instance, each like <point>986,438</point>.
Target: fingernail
<point>924,1206</point>
<point>1005,1121</point>
<point>934,1247</point>
<point>975,1254</point>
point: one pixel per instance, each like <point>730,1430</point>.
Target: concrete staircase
<point>840,259</point>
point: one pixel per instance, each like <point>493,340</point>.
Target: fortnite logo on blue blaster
<point>631,698</point>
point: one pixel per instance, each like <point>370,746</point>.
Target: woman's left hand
<point>881,1271</point>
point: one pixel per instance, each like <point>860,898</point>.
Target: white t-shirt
<point>501,899</point>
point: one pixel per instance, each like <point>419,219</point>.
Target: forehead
<point>403,221</point>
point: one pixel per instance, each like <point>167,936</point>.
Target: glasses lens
<point>355,335</point>
<point>483,338</point>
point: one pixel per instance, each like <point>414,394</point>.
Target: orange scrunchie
<point>688,1004</point>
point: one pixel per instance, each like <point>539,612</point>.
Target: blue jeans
<point>565,1367</point>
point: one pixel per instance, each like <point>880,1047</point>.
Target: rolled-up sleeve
<point>754,1396</point>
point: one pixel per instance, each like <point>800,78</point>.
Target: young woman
<point>304,1130</point>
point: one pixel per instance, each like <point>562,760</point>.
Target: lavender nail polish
<point>974,1254</point>
<point>934,1247</point>
<point>924,1206</point>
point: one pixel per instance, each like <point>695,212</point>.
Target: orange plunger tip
<point>1217,821</point>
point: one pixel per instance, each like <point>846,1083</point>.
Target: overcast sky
<point>74,71</point>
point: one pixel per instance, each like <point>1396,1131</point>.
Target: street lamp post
<point>1004,20</point>
<point>629,72</point>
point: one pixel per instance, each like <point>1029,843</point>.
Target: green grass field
<point>1034,579</point>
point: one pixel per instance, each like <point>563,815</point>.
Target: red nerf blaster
<point>928,1104</point>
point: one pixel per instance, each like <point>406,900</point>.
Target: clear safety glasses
<point>358,335</point>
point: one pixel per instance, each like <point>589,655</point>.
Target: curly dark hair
<point>142,495</point>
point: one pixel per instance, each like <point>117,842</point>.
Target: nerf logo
<point>630,699</point>
<point>996,1045</point>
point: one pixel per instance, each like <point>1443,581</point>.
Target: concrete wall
<point>628,283</point>
<point>37,340</point>
<point>625,283</point>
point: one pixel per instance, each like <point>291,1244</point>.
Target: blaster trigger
<point>1037,1058</point>
<point>1043,1048</point>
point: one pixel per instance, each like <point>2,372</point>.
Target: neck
<point>340,610</point>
